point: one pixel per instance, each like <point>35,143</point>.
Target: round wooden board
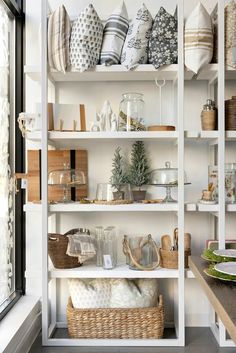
<point>161,128</point>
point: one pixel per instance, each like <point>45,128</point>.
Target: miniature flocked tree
<point>119,176</point>
<point>139,172</point>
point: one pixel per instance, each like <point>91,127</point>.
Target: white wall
<point>100,155</point>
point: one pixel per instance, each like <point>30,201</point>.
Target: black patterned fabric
<point>86,40</point>
<point>163,44</point>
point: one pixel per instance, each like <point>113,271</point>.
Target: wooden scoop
<point>166,242</point>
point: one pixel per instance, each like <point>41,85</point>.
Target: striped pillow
<point>198,39</point>
<point>114,36</point>
<point>59,28</point>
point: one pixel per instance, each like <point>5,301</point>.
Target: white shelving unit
<point>213,73</point>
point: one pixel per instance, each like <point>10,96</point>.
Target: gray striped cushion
<point>59,28</point>
<point>114,36</point>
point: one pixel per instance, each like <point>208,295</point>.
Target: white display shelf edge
<point>121,271</point>
<point>73,136</point>
<point>77,207</point>
<point>119,73</point>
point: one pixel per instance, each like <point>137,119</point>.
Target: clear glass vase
<point>109,253</point>
<point>131,112</point>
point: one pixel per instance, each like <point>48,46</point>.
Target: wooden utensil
<point>166,242</point>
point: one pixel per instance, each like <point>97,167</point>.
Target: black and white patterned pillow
<point>115,32</point>
<point>135,50</point>
<point>86,40</point>
<point>163,43</point>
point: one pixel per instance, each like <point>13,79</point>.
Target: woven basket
<point>230,114</point>
<point>169,259</point>
<point>57,246</point>
<point>140,323</point>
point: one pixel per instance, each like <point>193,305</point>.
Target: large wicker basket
<point>132,323</point>
<point>57,246</point>
<point>169,259</point>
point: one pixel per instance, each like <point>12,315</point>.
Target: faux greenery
<point>208,254</point>
<point>139,169</point>
<point>220,275</point>
<point>119,176</point>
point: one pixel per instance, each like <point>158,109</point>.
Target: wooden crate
<point>56,160</point>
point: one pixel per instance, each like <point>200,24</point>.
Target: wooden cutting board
<point>77,159</point>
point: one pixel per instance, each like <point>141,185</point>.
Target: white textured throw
<point>59,28</point>
<point>86,40</point>
<point>114,36</point>
<point>198,39</point>
<point>135,50</point>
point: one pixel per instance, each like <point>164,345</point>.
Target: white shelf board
<point>73,136</point>
<point>119,73</point>
<point>121,271</point>
<point>108,73</point>
<point>198,207</point>
<point>231,207</point>
<point>230,135</point>
<point>164,342</point>
<point>77,207</point>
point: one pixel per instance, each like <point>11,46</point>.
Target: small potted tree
<point>119,176</point>
<point>139,172</point>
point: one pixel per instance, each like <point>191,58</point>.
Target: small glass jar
<point>131,112</point>
<point>109,253</point>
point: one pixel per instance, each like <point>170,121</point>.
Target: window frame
<point>15,7</point>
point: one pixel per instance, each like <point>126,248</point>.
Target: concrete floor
<point>198,340</point>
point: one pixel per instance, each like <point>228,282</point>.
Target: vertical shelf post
<point>181,306</point>
<point>44,171</point>
<point>221,141</point>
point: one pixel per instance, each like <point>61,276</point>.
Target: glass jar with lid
<point>230,181</point>
<point>209,116</point>
<point>131,112</point>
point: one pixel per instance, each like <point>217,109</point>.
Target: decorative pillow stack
<point>114,293</point>
<point>86,40</point>
<point>198,39</point>
<point>230,34</point>
<point>141,293</point>
<point>114,36</point>
<point>135,50</point>
<point>163,44</point>
<point>93,294</point>
<point>214,19</point>
<point>59,28</point>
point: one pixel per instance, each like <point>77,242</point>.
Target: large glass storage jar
<point>230,181</point>
<point>131,112</point>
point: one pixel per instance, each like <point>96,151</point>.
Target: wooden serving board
<point>56,160</point>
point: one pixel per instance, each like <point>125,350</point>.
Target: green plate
<point>215,275</point>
